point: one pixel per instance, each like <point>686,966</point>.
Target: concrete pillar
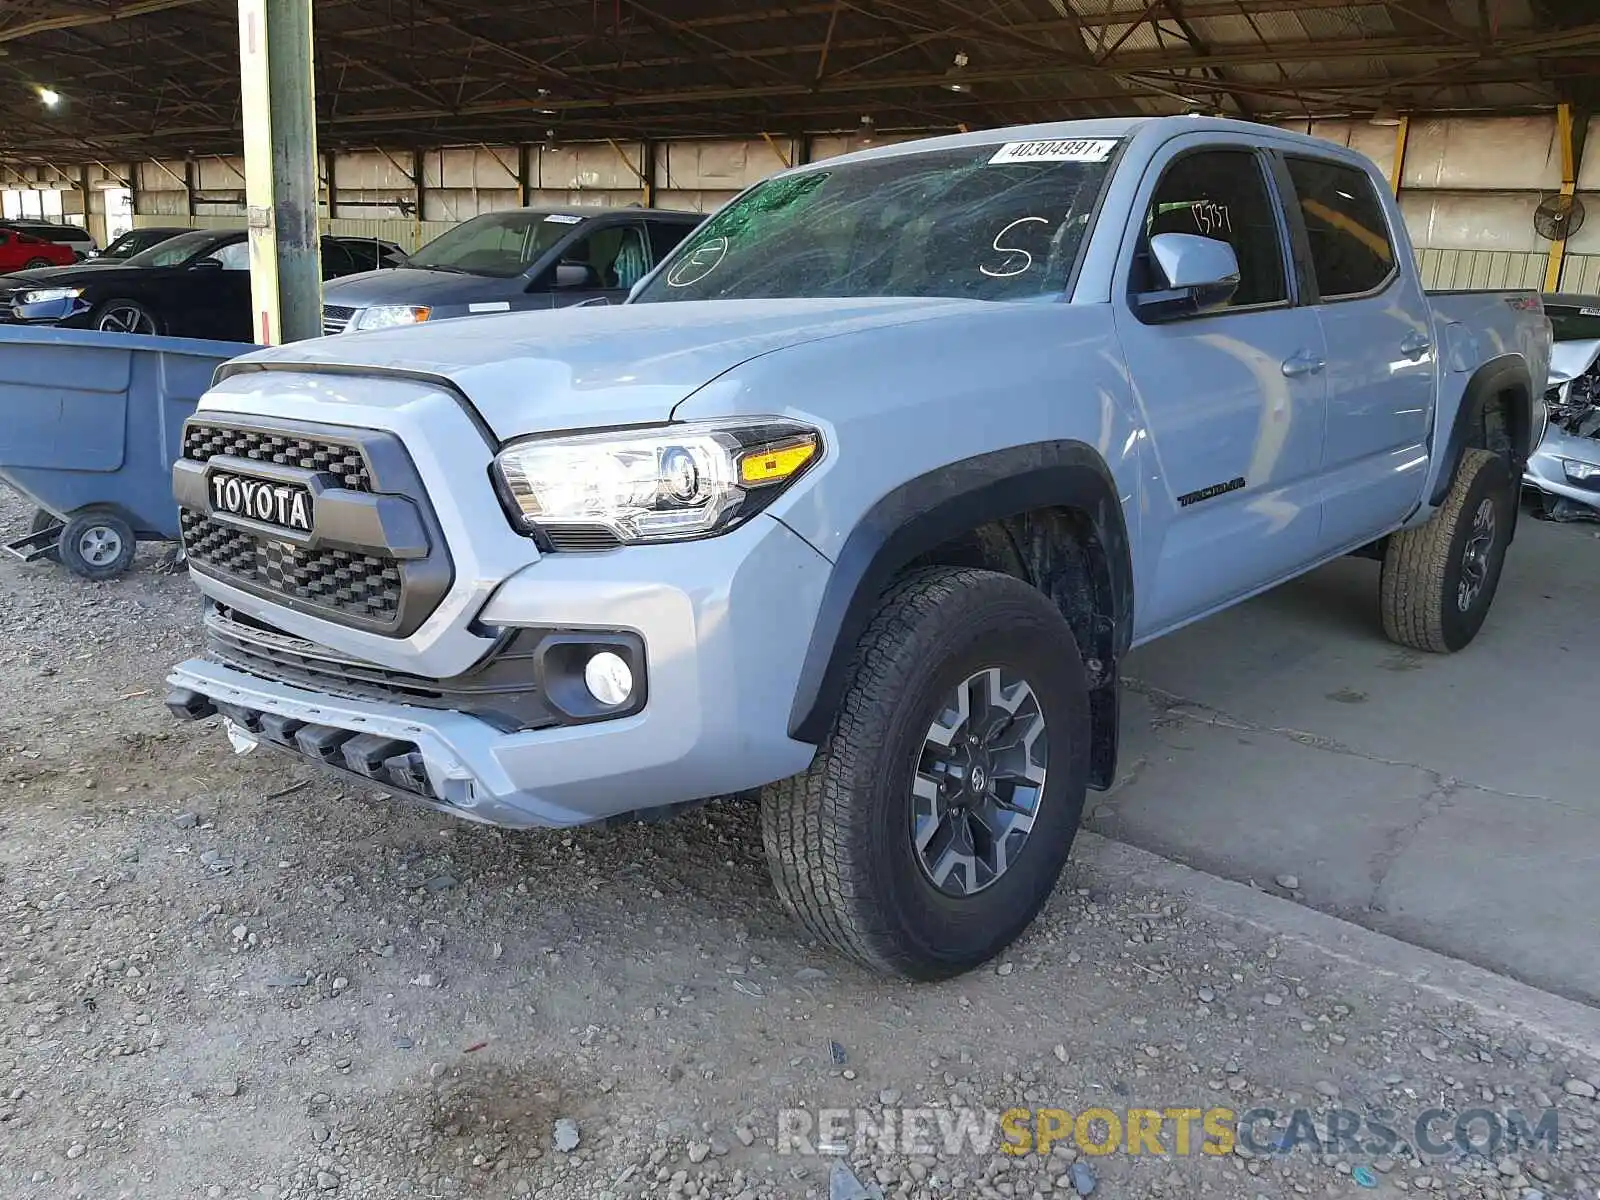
<point>280,154</point>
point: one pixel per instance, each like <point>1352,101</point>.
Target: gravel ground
<point>226,976</point>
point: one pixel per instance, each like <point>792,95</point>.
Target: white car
<point>1566,466</point>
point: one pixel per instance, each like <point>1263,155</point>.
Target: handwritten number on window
<point>1211,218</point>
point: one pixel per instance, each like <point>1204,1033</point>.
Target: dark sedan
<point>194,285</point>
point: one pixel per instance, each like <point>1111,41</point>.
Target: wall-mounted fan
<point>1558,217</point>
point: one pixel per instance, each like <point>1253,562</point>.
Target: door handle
<point>1415,346</point>
<point>1302,364</point>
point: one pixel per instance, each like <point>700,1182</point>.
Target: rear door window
<point>235,256</point>
<point>665,236</point>
<point>1351,250</point>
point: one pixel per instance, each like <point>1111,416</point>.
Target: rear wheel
<point>38,264</point>
<point>1439,579</point>
<point>124,316</point>
<point>934,822</point>
<point>97,545</point>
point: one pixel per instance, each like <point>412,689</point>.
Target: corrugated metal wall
<point>1468,191</point>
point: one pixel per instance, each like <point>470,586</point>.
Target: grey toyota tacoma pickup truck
<point>860,501</point>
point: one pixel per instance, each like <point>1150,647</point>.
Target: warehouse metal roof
<point>161,77</point>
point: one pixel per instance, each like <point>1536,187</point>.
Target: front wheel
<point>931,827</point>
<point>37,264</point>
<point>1439,579</point>
<point>125,316</point>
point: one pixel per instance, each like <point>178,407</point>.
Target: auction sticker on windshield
<point>1069,150</point>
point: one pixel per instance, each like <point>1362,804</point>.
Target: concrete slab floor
<point>1451,801</point>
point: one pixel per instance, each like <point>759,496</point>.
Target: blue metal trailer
<point>90,425</point>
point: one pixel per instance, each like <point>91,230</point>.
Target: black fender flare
<point>1507,373</point>
<point>934,509</point>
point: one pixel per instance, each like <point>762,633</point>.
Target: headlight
<point>46,295</point>
<point>656,485</point>
<point>1580,472</point>
<point>386,316</point>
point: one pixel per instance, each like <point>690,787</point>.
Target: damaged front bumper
<point>1566,468</point>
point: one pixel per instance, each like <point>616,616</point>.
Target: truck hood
<point>1568,360</point>
<point>577,368</point>
<point>417,285</point>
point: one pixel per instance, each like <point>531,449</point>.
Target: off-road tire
<point>837,836</point>
<point>97,527</point>
<point>1423,567</point>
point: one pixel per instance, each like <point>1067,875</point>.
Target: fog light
<point>1581,472</point>
<point>608,679</point>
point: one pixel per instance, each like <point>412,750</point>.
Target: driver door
<point>1233,398</point>
<point>616,258</point>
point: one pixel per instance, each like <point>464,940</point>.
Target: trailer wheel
<point>42,520</point>
<point>97,545</point>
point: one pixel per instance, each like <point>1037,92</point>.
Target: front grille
<point>375,559</point>
<point>351,585</point>
<point>336,318</point>
<point>344,463</point>
<point>501,689</point>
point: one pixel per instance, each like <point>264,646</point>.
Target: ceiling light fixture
<point>49,97</point>
<point>1386,116</point>
<point>952,76</point>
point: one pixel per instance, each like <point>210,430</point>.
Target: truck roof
<point>1108,127</point>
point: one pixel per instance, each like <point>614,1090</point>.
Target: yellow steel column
<point>1397,173</point>
<point>1569,184</point>
<point>281,177</point>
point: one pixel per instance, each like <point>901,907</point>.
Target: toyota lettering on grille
<point>282,504</point>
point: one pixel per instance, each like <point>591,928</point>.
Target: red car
<point>22,251</point>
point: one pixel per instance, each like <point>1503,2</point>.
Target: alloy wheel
<point>1475,557</point>
<point>125,318</point>
<point>980,776</point>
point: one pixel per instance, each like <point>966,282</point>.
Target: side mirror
<point>1199,274</point>
<point>576,275</point>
